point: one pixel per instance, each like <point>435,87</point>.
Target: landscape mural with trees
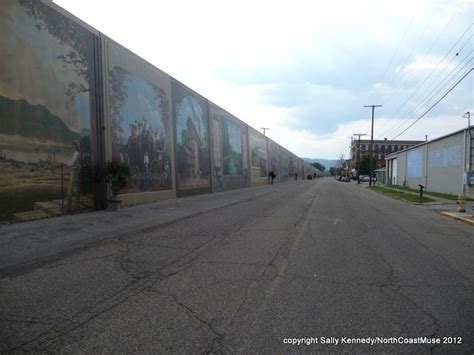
<point>46,73</point>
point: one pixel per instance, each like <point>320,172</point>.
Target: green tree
<point>363,167</point>
<point>319,166</point>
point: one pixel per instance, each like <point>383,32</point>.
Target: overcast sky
<point>305,69</point>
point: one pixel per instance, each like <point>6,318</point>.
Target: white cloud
<point>429,63</point>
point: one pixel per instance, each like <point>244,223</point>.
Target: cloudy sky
<point>305,69</point>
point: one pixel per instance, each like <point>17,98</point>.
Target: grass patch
<point>430,193</point>
<point>402,195</point>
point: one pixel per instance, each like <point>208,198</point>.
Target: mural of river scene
<point>45,111</point>
<point>140,131</point>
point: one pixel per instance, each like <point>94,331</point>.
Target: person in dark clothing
<point>271,176</point>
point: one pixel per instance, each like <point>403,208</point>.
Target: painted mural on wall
<point>274,154</point>
<point>445,157</point>
<point>140,131</point>
<point>284,164</point>
<point>292,168</point>
<point>231,148</point>
<point>192,142</point>
<point>258,147</point>
<point>415,162</point>
<point>46,73</point>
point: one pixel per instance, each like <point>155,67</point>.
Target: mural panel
<point>46,76</point>
<point>273,150</point>
<point>284,164</point>
<point>231,148</point>
<point>415,162</point>
<point>192,139</point>
<point>258,147</point>
<point>292,167</point>
<point>450,156</point>
<point>141,132</point>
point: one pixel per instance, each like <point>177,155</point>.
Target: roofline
<point>433,140</point>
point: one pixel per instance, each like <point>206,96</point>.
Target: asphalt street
<point>317,261</point>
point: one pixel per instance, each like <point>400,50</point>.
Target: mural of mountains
<point>21,118</point>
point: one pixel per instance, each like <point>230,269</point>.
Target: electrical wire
<point>439,63</point>
<point>427,53</point>
<point>431,94</point>
<point>435,104</point>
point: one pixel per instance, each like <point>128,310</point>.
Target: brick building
<point>381,149</point>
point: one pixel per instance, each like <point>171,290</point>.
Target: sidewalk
<point>443,206</point>
<point>24,243</point>
<point>438,200</point>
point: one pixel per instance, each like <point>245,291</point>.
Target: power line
<point>442,83</point>
<point>427,53</point>
<point>430,95</point>
<point>436,103</point>
<point>439,63</point>
<point>398,47</point>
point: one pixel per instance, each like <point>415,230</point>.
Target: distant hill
<point>325,162</point>
<point>21,118</point>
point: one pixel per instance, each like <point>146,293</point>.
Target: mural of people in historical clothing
<point>140,130</point>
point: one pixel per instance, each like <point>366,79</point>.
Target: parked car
<point>365,178</point>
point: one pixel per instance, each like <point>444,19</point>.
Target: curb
<point>468,219</point>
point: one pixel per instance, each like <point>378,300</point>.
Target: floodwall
<point>72,99</point>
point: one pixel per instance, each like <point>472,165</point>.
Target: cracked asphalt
<point>292,260</point>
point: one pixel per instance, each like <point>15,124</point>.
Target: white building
<point>442,165</point>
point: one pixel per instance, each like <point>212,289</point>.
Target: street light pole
<point>264,129</point>
<point>371,143</point>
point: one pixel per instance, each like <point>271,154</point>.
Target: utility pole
<point>469,168</point>
<point>372,143</point>
<point>358,155</point>
<point>350,154</point>
<point>264,129</point>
